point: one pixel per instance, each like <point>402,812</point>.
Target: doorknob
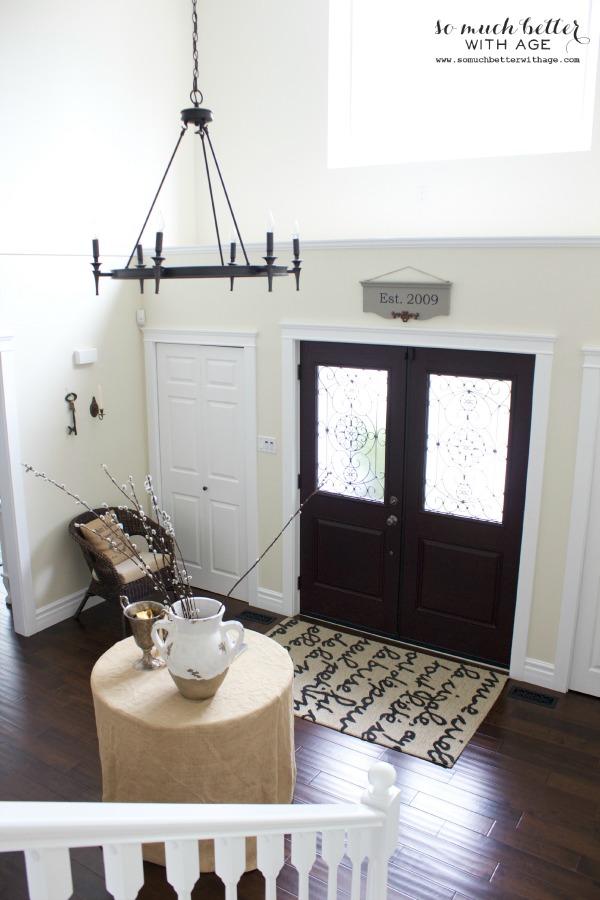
<point>392,520</point>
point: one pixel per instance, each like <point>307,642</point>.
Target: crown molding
<point>284,247</point>
<point>543,241</point>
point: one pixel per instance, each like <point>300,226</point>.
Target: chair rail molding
<point>542,346</point>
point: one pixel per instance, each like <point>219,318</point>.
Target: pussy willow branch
<point>165,523</point>
<point>275,539</point>
<point>117,542</point>
<point>163,520</point>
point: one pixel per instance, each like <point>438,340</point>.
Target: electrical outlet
<point>267,444</point>
<point>140,317</point>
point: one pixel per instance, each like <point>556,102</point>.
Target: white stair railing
<point>46,832</point>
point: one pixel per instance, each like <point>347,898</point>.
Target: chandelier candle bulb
<point>270,226</point>
<point>140,254</point>
<point>296,238</point>
<point>96,247</point>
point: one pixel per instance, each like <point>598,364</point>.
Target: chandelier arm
<point>203,132</point>
<point>139,237</point>
<point>235,224</point>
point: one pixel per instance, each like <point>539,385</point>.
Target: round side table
<point>156,746</point>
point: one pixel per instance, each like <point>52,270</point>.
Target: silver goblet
<point>141,627</point>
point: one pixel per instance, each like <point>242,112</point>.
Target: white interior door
<point>202,452</point>
<point>585,668</point>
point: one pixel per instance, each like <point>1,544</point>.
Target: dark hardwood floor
<point>517,817</point>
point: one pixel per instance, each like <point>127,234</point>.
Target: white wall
<point>89,121</point>
<point>101,139</point>
<point>281,112</point>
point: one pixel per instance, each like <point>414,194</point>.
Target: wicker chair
<point>111,580</point>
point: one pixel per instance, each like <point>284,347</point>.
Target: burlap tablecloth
<point>159,747</point>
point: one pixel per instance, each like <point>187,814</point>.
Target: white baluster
<point>183,866</point>
<point>123,869</point>
<point>230,862</point>
<point>270,858</point>
<point>332,851</point>
<point>355,849</point>
<point>303,856</point>
<point>49,874</point>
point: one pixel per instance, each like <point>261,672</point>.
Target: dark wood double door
<point>420,460</point>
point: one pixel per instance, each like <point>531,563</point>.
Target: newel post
<point>383,796</point>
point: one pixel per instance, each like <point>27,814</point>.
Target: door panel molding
<point>542,346</point>
<point>245,340</point>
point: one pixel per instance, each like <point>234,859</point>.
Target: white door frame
<point>16,537</point>
<point>542,346</point>
<point>589,415</point>
<point>246,340</point>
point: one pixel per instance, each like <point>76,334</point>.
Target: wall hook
<point>71,398</point>
<point>95,410</point>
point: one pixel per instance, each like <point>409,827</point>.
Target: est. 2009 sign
<point>405,300</point>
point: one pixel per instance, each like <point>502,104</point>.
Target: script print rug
<point>413,702</point>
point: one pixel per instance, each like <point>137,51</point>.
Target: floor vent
<point>519,693</point>
<point>260,618</point>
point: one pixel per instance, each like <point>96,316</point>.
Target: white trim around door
<point>542,346</point>
<point>16,538</point>
<point>247,342</point>
<point>589,415</point>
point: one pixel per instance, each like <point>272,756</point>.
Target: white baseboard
<point>539,673</point>
<point>62,609</point>
<point>272,601</point>
<point>66,607</point>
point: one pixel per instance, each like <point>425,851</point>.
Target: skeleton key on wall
<point>71,398</point>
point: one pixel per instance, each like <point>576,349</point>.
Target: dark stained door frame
<point>458,576</point>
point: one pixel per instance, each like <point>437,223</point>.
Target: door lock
<point>392,520</point>
<point>393,500</point>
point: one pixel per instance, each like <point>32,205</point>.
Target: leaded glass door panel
<point>349,552</point>
<point>420,457</point>
<point>467,456</point>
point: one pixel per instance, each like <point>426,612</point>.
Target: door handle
<point>392,520</point>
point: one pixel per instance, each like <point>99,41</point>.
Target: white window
<point>518,78</point>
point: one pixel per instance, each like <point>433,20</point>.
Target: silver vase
<point>142,630</point>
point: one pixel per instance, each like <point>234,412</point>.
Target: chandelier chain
<point>195,95</point>
<point>199,118</point>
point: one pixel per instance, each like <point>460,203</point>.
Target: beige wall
<point>506,290</point>
<point>98,144</point>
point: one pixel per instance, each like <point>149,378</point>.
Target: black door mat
<point>261,618</point>
<point>519,693</point>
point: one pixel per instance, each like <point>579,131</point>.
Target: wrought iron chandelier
<point>200,118</point>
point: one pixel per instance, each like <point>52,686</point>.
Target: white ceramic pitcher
<point>197,649</point>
